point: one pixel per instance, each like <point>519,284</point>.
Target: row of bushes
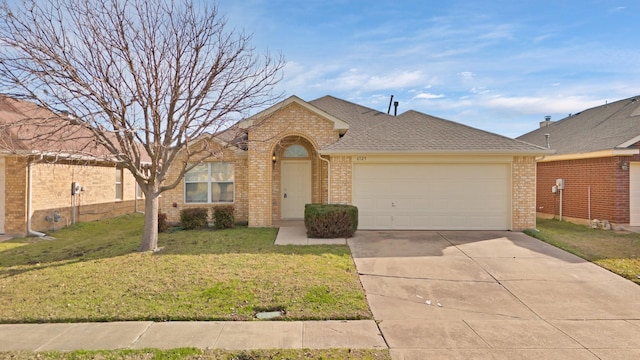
<point>320,220</point>
<point>198,218</point>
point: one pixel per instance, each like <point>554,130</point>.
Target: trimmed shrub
<point>326,221</point>
<point>162,223</point>
<point>223,217</point>
<point>194,218</point>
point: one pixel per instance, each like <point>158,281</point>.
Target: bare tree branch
<point>144,79</point>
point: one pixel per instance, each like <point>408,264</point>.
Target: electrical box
<point>560,184</point>
<point>554,189</point>
<point>75,188</point>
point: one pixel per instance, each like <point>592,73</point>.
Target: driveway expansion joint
<point>426,278</point>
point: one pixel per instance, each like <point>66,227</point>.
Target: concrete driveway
<point>493,295</point>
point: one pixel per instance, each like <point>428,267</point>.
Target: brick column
<point>259,184</point>
<point>341,172</point>
<point>523,202</point>
<point>15,196</point>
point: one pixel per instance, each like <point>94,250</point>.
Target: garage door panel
<point>432,196</point>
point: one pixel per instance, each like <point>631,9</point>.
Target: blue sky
<point>497,65</point>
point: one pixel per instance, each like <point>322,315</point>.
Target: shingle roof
<point>412,132</point>
<point>604,127</point>
<point>28,129</point>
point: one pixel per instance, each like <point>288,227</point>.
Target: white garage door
<point>433,196</point>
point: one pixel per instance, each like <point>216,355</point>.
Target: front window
<point>209,183</point>
<point>118,184</point>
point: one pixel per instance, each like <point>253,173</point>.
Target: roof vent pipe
<point>546,137</point>
<point>395,108</point>
<point>389,109</point>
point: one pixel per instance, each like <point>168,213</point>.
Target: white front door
<point>634,194</point>
<point>296,188</point>
<point>2,181</point>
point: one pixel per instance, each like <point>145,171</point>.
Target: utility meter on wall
<point>560,184</point>
<point>75,188</point>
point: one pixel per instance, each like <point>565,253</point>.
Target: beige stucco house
<point>410,171</point>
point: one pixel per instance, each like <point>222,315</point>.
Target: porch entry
<point>2,184</point>
<point>296,188</point>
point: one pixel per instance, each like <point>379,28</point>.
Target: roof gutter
<point>443,152</point>
<point>592,155</point>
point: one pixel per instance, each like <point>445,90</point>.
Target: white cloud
<point>479,90</point>
<point>429,96</point>
<point>355,79</point>
<point>541,105</point>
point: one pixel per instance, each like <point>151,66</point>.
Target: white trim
<point>436,152</point>
<point>591,155</point>
<point>629,142</point>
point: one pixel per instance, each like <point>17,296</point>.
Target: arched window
<point>296,151</point>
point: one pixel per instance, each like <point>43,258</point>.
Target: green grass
<point>188,353</point>
<point>92,272</point>
<point>617,251</point>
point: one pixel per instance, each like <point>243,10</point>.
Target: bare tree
<point>146,78</point>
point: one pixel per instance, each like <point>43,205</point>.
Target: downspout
<point>328,177</point>
<point>29,230</point>
<point>589,202</point>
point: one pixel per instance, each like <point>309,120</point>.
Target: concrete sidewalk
<point>294,233</point>
<point>231,335</point>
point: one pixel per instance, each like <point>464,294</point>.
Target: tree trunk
<point>150,234</point>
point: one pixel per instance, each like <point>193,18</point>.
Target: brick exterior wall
<point>172,201</point>
<point>608,182</point>
<point>341,179</point>
<point>51,194</point>
<point>523,203</point>
<point>291,122</point>
<point>15,202</point>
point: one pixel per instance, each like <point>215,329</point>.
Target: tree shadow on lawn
<point>69,248</point>
<point>241,240</point>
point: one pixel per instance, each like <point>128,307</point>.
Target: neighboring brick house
<point>36,177</point>
<point>411,171</point>
<point>598,157</point>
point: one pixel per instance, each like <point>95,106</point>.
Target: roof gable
<point>256,119</point>
<point>610,126</point>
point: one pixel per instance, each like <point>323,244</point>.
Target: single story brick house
<point>410,171</point>
<point>46,185</point>
<point>598,158</point>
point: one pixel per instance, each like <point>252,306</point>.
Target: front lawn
<point>92,272</point>
<point>617,251</point>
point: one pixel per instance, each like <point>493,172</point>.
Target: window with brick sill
<point>210,183</point>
